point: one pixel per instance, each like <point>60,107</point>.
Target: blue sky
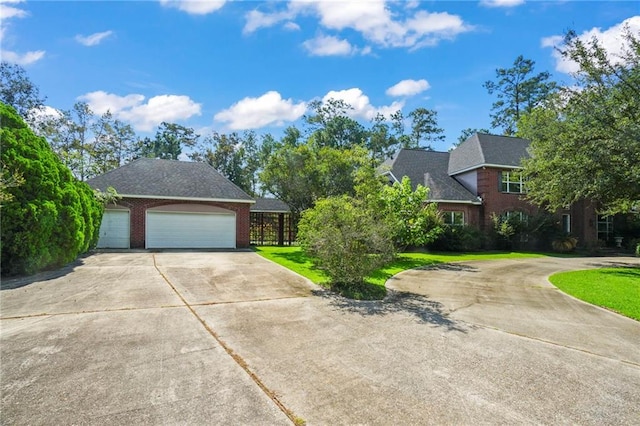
<point>237,65</point>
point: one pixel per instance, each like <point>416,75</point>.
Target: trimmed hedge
<point>52,217</point>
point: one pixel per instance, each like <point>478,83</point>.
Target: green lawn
<point>293,258</point>
<point>617,289</point>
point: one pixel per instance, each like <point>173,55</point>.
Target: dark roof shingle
<point>149,177</point>
<point>270,205</point>
<point>484,149</point>
<point>429,168</point>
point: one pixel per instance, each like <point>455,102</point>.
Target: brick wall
<point>139,206</point>
<point>498,202</point>
<point>471,212</point>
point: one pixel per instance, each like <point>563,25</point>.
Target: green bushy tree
<point>585,141</point>
<point>414,222</point>
<point>51,217</point>
<point>345,239</point>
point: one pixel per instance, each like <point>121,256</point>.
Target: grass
<point>617,289</point>
<point>294,259</point>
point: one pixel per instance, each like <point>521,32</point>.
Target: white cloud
<point>101,102</point>
<point>268,109</point>
<point>6,14</point>
<point>22,58</point>
<point>361,104</point>
<point>291,26</point>
<point>329,46</point>
<point>143,116</point>
<point>412,4</point>
<point>93,39</point>
<point>611,39</point>
<point>194,7</point>
<point>408,88</point>
<point>501,3</point>
<point>374,20</point>
<point>256,20</point>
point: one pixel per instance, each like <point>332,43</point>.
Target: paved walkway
<point>211,338</point>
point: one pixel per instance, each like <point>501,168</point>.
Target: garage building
<point>173,204</point>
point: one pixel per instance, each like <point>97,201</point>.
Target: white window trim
<point>451,214</point>
<point>510,182</point>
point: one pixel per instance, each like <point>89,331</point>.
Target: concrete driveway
<point>211,338</point>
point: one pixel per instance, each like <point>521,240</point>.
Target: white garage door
<point>190,230</point>
<point>114,230</point>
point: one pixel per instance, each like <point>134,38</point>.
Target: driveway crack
<point>236,357</point>
<point>549,342</point>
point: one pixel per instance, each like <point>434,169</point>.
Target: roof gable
<point>429,168</point>
<point>483,149</point>
<point>170,179</point>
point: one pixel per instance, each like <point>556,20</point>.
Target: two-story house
<point>481,177</point>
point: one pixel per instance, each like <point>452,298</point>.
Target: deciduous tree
<point>168,143</point>
<point>300,175</point>
<point>18,91</point>
<point>235,156</point>
<point>414,223</point>
<point>585,142</point>
<point>330,125</point>
<point>346,241</point>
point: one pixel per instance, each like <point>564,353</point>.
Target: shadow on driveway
<point>11,283</point>
<point>456,267</point>
<point>425,310</point>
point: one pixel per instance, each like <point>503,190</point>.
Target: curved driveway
<point>515,296</point>
<point>231,338</point>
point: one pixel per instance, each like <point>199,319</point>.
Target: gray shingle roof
<point>149,177</point>
<point>429,168</point>
<point>483,149</point>
<point>270,205</point>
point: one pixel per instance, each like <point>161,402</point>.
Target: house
<point>481,178</point>
<point>173,204</point>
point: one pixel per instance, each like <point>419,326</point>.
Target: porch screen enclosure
<point>268,228</point>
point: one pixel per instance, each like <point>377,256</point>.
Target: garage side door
<point>190,230</point>
<point>114,230</point>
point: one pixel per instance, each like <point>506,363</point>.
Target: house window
<point>512,182</point>
<point>520,217</point>
<point>605,227</point>
<point>453,218</point>
<point>566,223</point>
<point>517,215</point>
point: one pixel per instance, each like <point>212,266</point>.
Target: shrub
<point>345,240</point>
<point>51,217</point>
<point>458,238</point>
<point>638,250</point>
<point>414,223</point>
<point>564,244</point>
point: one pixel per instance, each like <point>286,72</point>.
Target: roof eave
<point>390,173</point>
<point>468,169</point>
<point>165,197</point>
<point>475,203</point>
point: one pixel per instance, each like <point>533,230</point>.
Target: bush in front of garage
<point>51,217</point>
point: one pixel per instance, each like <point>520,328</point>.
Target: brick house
<point>173,204</point>
<point>480,178</point>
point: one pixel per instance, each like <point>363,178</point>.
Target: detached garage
<point>173,204</point>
